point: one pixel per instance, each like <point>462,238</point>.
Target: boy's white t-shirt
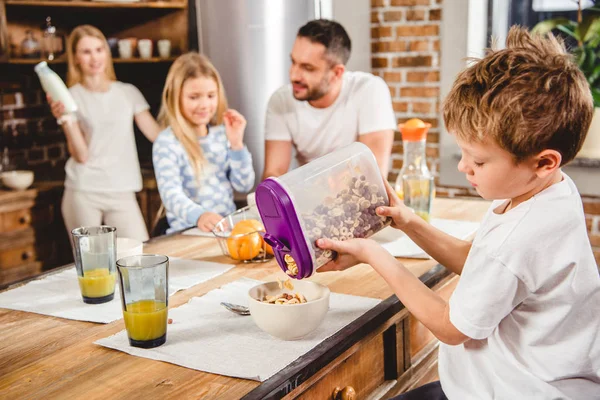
<point>529,297</point>
<point>363,106</point>
<point>106,119</point>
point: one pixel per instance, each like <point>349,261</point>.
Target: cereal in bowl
<point>285,298</point>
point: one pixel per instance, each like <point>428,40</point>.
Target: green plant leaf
<point>593,77</point>
<point>546,26</point>
<point>569,30</point>
<point>596,96</point>
<point>592,35</point>
<point>590,60</point>
<point>581,29</point>
<point>590,27</point>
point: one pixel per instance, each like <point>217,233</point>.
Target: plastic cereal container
<point>334,197</point>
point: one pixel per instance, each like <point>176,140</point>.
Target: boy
<point>524,320</point>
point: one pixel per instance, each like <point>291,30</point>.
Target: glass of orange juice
<point>143,280</point>
<point>95,253</point>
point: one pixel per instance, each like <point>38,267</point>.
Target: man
<point>325,107</point>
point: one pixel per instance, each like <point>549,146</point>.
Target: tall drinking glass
<point>95,254</point>
<point>144,282</point>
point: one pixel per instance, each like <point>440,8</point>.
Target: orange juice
<point>97,282</point>
<point>146,320</point>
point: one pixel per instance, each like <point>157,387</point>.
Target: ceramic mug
<point>125,49</point>
<point>145,48</point>
<point>113,44</point>
<point>164,48</point>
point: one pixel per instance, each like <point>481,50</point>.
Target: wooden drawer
<point>17,256</point>
<point>16,220</point>
<point>363,370</point>
<point>28,270</point>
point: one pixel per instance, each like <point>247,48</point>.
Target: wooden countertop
<point>48,357</point>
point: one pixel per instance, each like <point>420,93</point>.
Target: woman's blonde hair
<point>74,75</point>
<point>189,66</point>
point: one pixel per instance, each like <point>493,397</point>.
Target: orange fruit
<point>250,224</point>
<point>414,123</point>
<point>249,243</point>
<point>269,249</point>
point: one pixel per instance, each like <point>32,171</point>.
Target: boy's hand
<point>235,123</point>
<point>401,214</point>
<point>349,253</point>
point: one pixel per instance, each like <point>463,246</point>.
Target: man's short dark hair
<point>330,34</point>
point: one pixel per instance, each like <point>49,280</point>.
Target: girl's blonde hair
<point>189,66</point>
<point>74,75</point>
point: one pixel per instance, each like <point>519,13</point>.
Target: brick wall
<point>405,44</point>
<point>30,133</point>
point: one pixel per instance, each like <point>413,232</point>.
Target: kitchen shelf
<point>62,60</point>
<point>173,5</point>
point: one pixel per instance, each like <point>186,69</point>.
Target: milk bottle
<point>55,87</point>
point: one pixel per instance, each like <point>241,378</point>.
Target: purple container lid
<point>283,229</point>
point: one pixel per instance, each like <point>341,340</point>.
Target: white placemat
<point>206,337</point>
<point>400,245</point>
<point>58,295</point>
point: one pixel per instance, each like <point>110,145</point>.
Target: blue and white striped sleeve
<point>170,181</point>
<point>241,172</point>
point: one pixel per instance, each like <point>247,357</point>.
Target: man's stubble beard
<point>317,92</point>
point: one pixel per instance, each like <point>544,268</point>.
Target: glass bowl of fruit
<point>240,235</point>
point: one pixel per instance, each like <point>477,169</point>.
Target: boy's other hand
<point>400,214</point>
<point>349,253</point>
<point>235,123</point>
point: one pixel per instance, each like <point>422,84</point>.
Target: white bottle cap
<point>40,66</point>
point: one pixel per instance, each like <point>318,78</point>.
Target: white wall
<point>355,16</point>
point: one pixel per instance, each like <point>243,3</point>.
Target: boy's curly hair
<point>528,97</point>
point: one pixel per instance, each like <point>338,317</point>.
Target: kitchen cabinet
<point>32,233</point>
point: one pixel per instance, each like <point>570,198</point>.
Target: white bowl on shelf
<point>289,321</point>
<point>17,180</point>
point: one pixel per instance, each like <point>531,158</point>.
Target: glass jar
<point>30,47</point>
<point>334,196</point>
<point>415,183</point>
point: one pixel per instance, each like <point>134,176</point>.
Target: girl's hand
<point>401,214</point>
<point>58,108</point>
<point>235,123</point>
<point>349,253</point>
<point>208,220</point>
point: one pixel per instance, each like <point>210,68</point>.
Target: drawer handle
<point>26,255</point>
<point>347,393</point>
<point>25,219</point>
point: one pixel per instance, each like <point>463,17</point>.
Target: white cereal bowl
<point>289,321</point>
<point>18,180</point>
<point>129,247</point>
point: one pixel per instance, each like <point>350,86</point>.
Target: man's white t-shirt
<point>363,106</point>
<point>529,297</point>
<point>106,120</point>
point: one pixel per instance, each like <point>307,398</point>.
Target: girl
<point>103,172</point>
<point>200,158</point>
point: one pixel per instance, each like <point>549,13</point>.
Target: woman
<point>103,172</point>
